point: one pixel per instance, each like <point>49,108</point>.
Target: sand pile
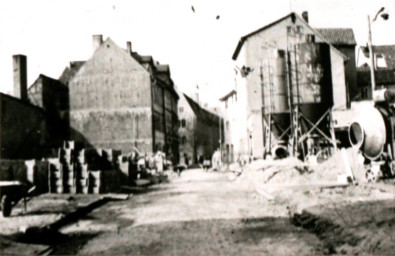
<point>292,171</point>
<point>335,165</point>
<point>289,170</point>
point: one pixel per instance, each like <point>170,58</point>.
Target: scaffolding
<point>304,143</point>
<point>269,111</point>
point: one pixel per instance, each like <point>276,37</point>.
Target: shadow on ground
<point>254,236</point>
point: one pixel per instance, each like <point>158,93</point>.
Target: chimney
<point>20,76</point>
<point>305,16</point>
<point>97,40</point>
<point>129,47</point>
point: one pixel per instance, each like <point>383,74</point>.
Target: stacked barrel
<point>70,172</point>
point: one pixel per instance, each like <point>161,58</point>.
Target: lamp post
<point>370,46</point>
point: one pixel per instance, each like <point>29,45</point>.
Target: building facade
<point>53,97</point>
<point>120,99</point>
<point>22,131</point>
<point>253,56</point>
<point>384,66</point>
<point>199,131</point>
<point>343,39</point>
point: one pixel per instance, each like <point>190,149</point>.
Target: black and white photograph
<point>197,127</point>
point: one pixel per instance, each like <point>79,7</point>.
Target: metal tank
<point>368,132</point>
<point>275,95</point>
<point>312,83</point>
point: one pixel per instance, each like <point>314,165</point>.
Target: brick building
<point>120,99</point>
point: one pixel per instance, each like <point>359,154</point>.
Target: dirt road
<point>200,213</point>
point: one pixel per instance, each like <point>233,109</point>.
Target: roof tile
<point>338,36</point>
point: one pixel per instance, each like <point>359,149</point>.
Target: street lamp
<point>371,53</point>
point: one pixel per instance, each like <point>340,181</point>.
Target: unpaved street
<point>200,213</point>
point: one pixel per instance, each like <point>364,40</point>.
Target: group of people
<point>214,162</point>
<point>148,163</point>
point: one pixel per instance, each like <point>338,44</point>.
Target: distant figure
<point>216,160</point>
<point>133,166</point>
<point>151,161</point>
<point>186,159</point>
<point>141,165</point>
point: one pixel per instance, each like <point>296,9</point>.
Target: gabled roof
<point>382,76</point>
<point>387,51</point>
<point>202,113</point>
<point>293,16</point>
<point>143,59</point>
<point>69,72</point>
<point>163,68</point>
<point>54,82</point>
<point>160,71</point>
<point>338,36</point>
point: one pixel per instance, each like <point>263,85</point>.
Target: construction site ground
<point>230,213</point>
<point>19,232</point>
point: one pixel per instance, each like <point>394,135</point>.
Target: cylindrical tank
<point>274,83</point>
<point>312,82</point>
<point>276,94</point>
<point>368,132</point>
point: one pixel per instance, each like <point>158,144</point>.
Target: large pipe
<point>368,132</point>
<point>279,151</point>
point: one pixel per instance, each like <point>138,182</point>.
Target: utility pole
<point>371,54</point>
<point>220,142</point>
<point>384,16</point>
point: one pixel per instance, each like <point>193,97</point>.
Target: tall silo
<point>312,84</point>
<point>276,102</point>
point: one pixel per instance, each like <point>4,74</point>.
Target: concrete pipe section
<point>279,152</point>
<point>368,132</point>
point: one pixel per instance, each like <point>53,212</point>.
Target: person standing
<point>159,161</point>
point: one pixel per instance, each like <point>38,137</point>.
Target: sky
<point>197,46</point>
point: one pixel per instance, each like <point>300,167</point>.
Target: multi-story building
<point>120,99</point>
<point>384,66</point>
<point>200,131</point>
<point>252,59</point>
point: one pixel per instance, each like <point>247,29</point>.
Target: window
<point>380,61</point>
<point>158,122</point>
<point>227,125</point>
<point>183,140</point>
<point>299,29</point>
<point>183,123</point>
<point>180,109</point>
